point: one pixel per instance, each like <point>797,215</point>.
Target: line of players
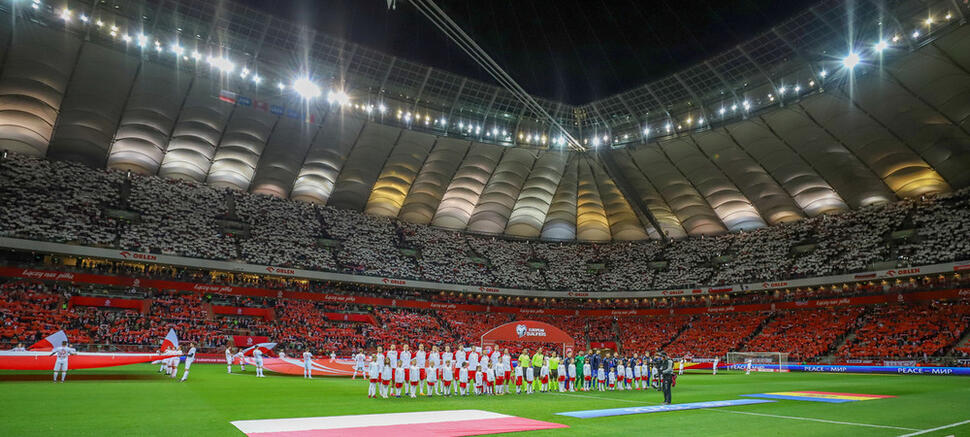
<point>472,371</point>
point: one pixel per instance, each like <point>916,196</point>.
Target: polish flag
<point>170,341</point>
<point>418,424</point>
<point>49,343</point>
<point>264,347</point>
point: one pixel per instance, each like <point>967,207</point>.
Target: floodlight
<point>881,45</point>
<point>851,60</point>
<point>306,89</point>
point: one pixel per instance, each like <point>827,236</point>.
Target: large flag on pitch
<point>170,341</point>
<point>418,424</point>
<point>50,342</point>
<point>263,347</point>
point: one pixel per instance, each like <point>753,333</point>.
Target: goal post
<point>760,361</point>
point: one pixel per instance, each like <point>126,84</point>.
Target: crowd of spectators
<point>67,202</point>
<point>708,335</point>
<point>31,310</point>
<point>805,334</point>
<point>909,331</point>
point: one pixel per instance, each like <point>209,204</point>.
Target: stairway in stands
<point>757,331</point>
<point>963,343</point>
<point>674,337</point>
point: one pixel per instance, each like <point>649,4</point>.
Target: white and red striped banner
<point>419,424</point>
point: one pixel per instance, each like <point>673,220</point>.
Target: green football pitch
<point>135,400</point>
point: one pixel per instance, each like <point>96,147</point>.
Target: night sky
<point>573,51</point>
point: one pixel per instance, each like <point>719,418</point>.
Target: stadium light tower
<point>306,89</point>
<point>851,60</point>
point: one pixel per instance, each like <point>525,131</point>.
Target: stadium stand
<point>177,217</point>
<point>113,209</point>
<point>897,331</point>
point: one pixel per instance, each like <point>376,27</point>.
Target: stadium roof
<point>795,122</point>
<point>815,36</point>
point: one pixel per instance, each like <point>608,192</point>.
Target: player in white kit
<point>530,377</point>
<point>448,356</point>
<point>228,359</point>
<point>379,358</point>
<point>507,368</point>
<point>392,356</point>
<point>747,366</point>
<point>189,359</point>
<point>359,359</point>
<point>421,357</point>
<point>258,358</point>
<point>173,363</point>
<point>460,355</point>
<point>242,360</point>
<point>60,363</point>
<point>405,357</point>
<point>308,365</point>
<point>716,360</point>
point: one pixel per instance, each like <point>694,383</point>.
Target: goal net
<point>760,361</point>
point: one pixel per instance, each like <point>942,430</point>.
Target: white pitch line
<point>816,420</point>
<point>937,428</point>
<point>719,410</point>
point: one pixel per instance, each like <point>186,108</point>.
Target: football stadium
<point>282,218</point>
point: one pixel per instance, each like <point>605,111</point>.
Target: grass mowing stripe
<point>778,416</point>
<point>937,428</point>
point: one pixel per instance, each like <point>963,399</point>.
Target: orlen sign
<point>135,255</point>
<point>281,271</point>
<point>911,271</point>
